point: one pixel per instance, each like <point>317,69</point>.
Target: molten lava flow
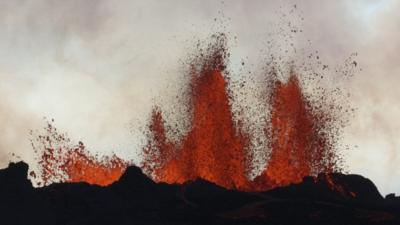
<point>159,152</point>
<point>215,150</point>
<point>212,150</point>
<point>297,147</point>
<point>62,162</point>
<point>81,167</point>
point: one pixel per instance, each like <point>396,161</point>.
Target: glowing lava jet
<point>298,143</point>
<point>61,161</point>
<point>215,150</point>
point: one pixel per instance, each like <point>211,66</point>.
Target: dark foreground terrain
<point>136,199</point>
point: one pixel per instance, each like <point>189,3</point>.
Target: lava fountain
<point>213,149</point>
<point>62,161</point>
<point>216,148</point>
<point>298,141</point>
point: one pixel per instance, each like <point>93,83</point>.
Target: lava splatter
<point>61,161</point>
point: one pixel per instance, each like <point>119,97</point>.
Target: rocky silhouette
<point>136,199</point>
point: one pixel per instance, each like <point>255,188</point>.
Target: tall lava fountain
<point>216,148</point>
<point>213,149</point>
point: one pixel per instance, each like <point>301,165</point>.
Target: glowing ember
<point>60,161</point>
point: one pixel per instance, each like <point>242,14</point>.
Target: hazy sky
<point>97,67</point>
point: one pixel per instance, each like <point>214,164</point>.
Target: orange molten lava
<point>213,149</point>
<point>297,147</point>
<point>62,162</point>
<point>80,167</point>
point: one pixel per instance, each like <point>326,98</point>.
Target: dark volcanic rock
<point>334,187</point>
<point>354,186</point>
<point>136,199</point>
<point>19,201</point>
<point>15,177</point>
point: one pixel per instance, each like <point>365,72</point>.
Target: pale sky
<point>97,67</point>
